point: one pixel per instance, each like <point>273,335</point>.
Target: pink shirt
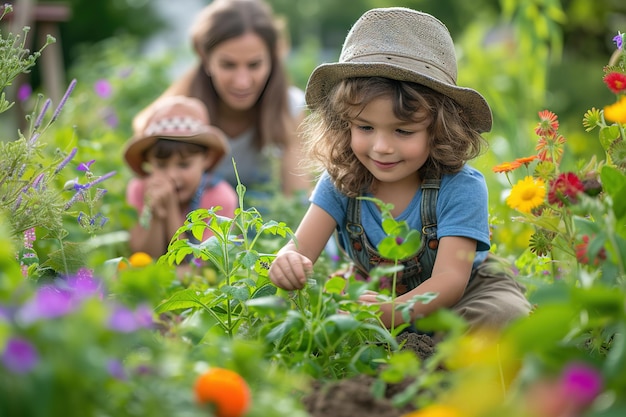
<point>221,194</point>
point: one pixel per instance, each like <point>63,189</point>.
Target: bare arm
<point>450,276</point>
<point>293,262</point>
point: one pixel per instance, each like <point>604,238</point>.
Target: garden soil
<point>353,397</point>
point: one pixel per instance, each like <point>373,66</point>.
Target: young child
<point>173,152</point>
<point>388,121</point>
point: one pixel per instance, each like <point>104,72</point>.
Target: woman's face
<point>239,69</point>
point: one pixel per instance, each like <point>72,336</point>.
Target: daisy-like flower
<point>527,194</point>
<point>548,123</point>
<point>526,160</point>
<point>550,147</point>
<point>565,188</point>
<point>616,112</point>
<point>506,167</point>
<point>616,81</point>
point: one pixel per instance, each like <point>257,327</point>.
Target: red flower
<point>582,252</point>
<point>616,81</point>
<point>565,187</point>
<point>548,123</point>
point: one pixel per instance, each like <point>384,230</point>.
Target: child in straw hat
<point>173,153</point>
<point>389,122</point>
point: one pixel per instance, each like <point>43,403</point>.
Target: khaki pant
<point>493,297</point>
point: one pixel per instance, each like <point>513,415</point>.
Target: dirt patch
<point>353,397</point>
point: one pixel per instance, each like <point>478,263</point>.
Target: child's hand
<point>290,270</point>
<point>160,195</point>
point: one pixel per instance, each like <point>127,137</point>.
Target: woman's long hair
<point>218,22</point>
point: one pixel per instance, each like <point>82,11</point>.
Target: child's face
<point>184,172</point>
<point>391,149</point>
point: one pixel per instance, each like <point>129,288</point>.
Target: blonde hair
<point>327,138</point>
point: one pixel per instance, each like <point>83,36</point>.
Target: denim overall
<point>418,267</point>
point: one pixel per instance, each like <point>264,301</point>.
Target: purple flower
<point>69,90</point>
<point>125,320</point>
<point>84,285</point>
<point>581,383</point>
<point>110,117</point>
<point>19,356</point>
<point>85,166</point>
<point>66,161</point>
<point>48,302</point>
<point>399,240</point>
<point>116,369</point>
<point>619,40</point>
<point>24,92</point>
<point>103,88</point>
<point>125,72</point>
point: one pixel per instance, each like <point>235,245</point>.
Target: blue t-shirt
<point>462,209</point>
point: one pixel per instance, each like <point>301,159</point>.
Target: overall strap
<point>430,192</point>
<point>356,245</point>
<point>417,268</point>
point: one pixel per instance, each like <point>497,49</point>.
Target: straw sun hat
<point>401,44</point>
<point>179,118</point>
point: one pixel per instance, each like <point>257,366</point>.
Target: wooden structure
<point>45,18</point>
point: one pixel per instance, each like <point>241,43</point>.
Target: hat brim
<point>326,76</point>
<point>208,136</point>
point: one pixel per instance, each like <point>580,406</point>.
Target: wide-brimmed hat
<point>179,118</point>
<point>405,45</point>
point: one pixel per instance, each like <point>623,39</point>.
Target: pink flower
<point>581,383</point>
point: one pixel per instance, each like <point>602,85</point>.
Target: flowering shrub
<point>564,206</point>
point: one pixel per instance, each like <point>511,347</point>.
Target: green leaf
<point>612,180</point>
<point>293,322</point>
<point>266,305</point>
<point>264,291</point>
<point>248,258</point>
<point>335,285</point>
<point>181,300</point>
<point>608,134</point>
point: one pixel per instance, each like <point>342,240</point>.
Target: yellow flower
<point>616,112</point>
<point>527,194</point>
<point>436,410</point>
<point>139,259</point>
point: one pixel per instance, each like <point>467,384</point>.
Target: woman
<point>241,79</point>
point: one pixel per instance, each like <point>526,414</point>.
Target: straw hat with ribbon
<point>179,118</point>
<point>405,45</point>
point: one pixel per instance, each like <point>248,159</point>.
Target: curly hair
<point>327,138</point>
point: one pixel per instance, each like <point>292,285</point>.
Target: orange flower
<point>550,147</point>
<point>548,123</point>
<point>526,160</point>
<point>506,167</point>
<point>140,259</point>
<point>225,390</point>
<point>436,410</point>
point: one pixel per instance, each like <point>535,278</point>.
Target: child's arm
<point>294,262</point>
<point>451,273</point>
<point>164,219</point>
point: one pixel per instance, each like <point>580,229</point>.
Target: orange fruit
<point>225,390</point>
<point>140,259</point>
